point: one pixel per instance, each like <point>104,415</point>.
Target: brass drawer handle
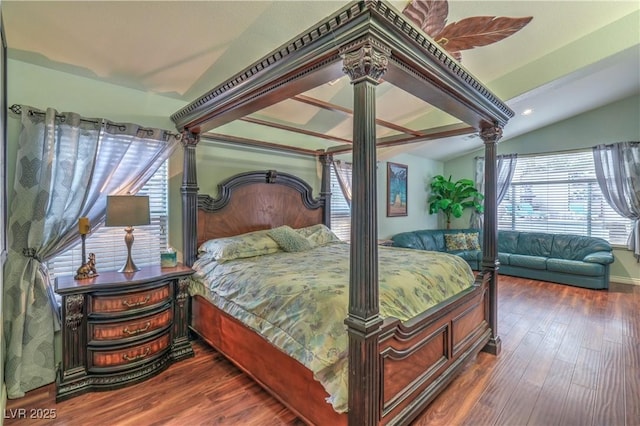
<point>139,303</point>
<point>138,331</point>
<point>137,357</point>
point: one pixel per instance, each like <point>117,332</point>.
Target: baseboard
<point>624,280</point>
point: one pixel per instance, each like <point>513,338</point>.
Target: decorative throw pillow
<point>319,234</point>
<point>289,240</point>
<point>473,242</point>
<point>251,244</point>
<point>455,241</point>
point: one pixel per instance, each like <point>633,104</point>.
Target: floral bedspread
<point>299,301</point>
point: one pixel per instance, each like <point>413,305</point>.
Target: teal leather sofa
<point>434,240</point>
<point>568,259</point>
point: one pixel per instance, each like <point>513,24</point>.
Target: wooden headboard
<point>258,200</point>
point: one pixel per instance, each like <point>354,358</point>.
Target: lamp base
<point>129,266</point>
<point>128,239</point>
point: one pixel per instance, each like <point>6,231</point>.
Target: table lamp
<point>129,211</point>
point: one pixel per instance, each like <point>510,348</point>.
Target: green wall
<point>615,122</point>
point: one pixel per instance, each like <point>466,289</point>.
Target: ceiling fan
<point>431,16</point>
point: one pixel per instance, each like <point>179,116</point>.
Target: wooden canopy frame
<point>367,40</point>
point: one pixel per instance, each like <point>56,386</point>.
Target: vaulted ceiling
<point>573,56</point>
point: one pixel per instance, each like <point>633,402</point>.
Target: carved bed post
<point>364,65</point>
<point>189,192</point>
<point>325,189</point>
<point>490,262</point>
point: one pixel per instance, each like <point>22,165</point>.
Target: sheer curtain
<point>505,168</point>
<point>344,172</point>
<point>618,173</point>
<point>66,165</point>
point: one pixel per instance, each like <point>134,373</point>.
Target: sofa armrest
<point>604,257</point>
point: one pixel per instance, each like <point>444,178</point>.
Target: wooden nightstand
<point>119,329</point>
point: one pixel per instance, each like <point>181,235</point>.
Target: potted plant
<point>453,197</point>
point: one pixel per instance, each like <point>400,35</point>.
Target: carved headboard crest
<point>226,188</point>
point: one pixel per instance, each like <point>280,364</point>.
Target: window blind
<point>340,211</point>
<point>108,242</point>
<point>558,193</point>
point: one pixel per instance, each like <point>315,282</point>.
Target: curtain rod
<point>533,154</point>
<point>17,109</point>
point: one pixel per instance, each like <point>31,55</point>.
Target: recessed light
<point>527,111</point>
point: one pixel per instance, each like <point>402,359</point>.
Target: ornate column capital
<point>491,134</point>
<point>189,138</point>
<point>367,62</point>
<point>326,158</point>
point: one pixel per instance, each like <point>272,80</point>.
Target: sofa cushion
<point>575,267</point>
<point>504,258</point>
<point>468,254</point>
<point>576,247</point>
<point>534,244</point>
<point>431,240</point>
<point>408,240</point>
<point>524,261</point>
<point>508,241</point>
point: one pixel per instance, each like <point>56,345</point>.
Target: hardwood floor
<point>570,356</point>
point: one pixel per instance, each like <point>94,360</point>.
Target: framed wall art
<point>397,193</point>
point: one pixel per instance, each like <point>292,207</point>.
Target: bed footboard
<point>422,356</point>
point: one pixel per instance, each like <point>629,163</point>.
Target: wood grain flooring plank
<point>571,343</point>
<point>544,357</point>
<point>520,404</point>
<point>586,368</point>
<point>549,406</point>
<point>505,382</point>
<point>449,408</point>
<point>632,353</point>
<point>610,393</point>
<point>632,396</point>
<point>578,407</point>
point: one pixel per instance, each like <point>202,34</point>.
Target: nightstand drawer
<point>126,356</point>
<point>129,301</point>
<point>102,333</point>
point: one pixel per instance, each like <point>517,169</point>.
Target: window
<point>559,193</point>
<point>108,243</point>
<point>340,210</point>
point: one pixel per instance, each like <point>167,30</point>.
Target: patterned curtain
<point>66,165</point>
<point>344,172</point>
<point>618,173</point>
<point>506,168</point>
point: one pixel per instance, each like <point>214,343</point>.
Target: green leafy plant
<point>453,197</point>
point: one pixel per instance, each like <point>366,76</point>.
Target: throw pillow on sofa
<point>473,242</point>
<point>455,241</point>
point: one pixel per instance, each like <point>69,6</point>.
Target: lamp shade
<point>127,210</point>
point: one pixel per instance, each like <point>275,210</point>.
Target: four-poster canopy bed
<point>395,368</point>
